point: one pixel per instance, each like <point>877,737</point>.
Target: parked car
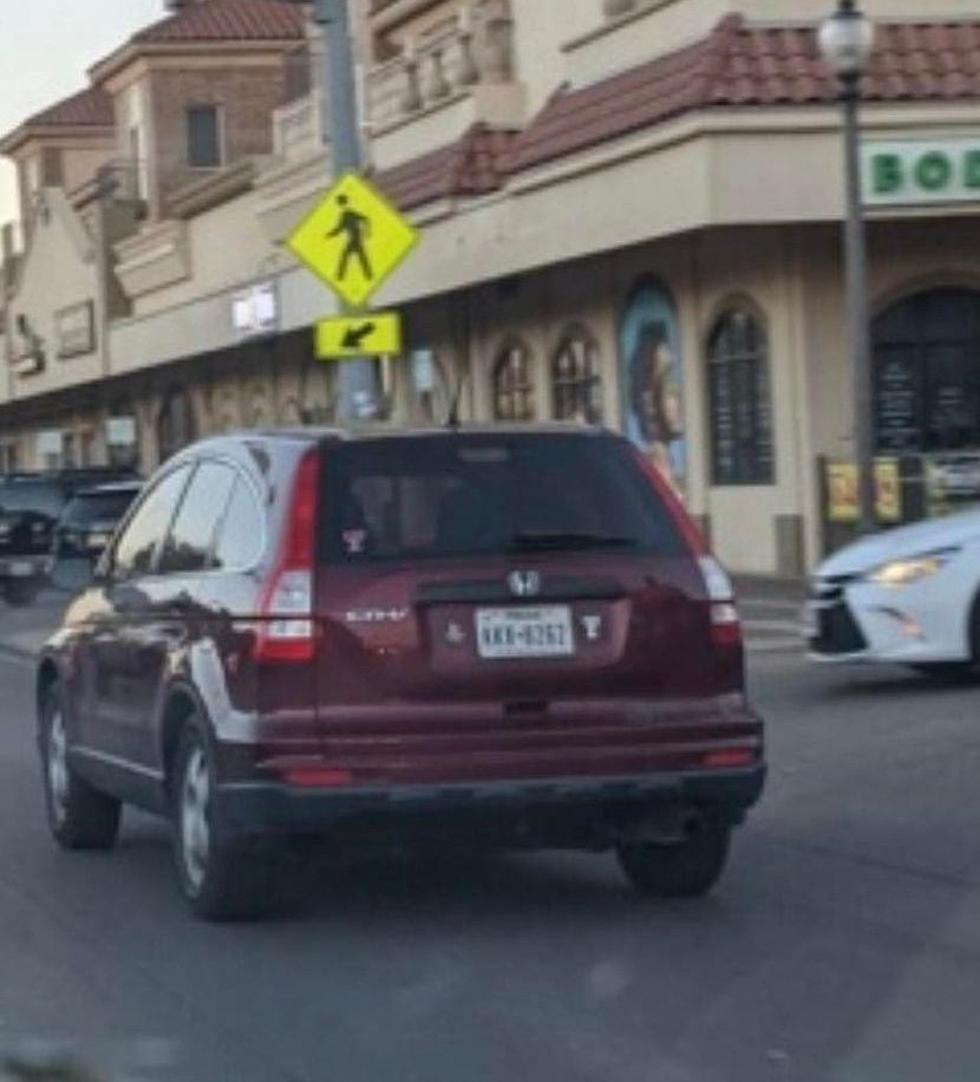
<point>87,523</point>
<point>909,596</point>
<point>503,638</point>
<point>30,506</point>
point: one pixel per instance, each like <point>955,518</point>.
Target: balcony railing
<point>121,181</point>
<point>296,127</point>
<point>476,48</point>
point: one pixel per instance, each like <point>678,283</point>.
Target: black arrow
<point>354,338</point>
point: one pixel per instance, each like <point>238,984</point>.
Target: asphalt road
<point>843,944</point>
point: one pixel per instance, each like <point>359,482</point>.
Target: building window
<point>513,384</point>
<point>203,137</point>
<point>69,451</point>
<point>50,449</point>
<point>33,169</point>
<point>740,406</point>
<point>135,180</point>
<point>429,387</point>
<point>9,458</point>
<point>175,427</point>
<point>927,373</point>
<point>122,437</point>
<point>576,384</point>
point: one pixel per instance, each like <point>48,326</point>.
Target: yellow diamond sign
<point>376,334</point>
<point>353,239</point>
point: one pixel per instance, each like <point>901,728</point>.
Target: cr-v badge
<point>376,616</point>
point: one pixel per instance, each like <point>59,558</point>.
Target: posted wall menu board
<point>841,484</point>
<point>898,404</point>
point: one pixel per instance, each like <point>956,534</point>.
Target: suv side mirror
<point>98,550</point>
<point>102,572</point>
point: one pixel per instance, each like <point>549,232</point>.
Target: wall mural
<point>652,380</point>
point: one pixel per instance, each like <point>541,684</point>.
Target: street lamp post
<point>846,39</point>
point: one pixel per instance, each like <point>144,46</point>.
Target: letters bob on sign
<point>921,172</point>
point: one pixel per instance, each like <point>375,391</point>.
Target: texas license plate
<point>525,632</point>
<point>21,570</point>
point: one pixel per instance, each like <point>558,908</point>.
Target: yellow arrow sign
<point>353,239</point>
<point>376,334</point>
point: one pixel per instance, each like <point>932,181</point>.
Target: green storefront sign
<point>922,172</point>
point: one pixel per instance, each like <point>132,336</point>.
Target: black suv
<point>30,506</point>
<point>88,522</point>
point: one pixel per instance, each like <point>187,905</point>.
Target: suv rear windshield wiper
<point>528,542</point>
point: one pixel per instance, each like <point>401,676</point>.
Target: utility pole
<point>358,379</point>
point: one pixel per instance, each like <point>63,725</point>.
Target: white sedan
<point>911,596</point>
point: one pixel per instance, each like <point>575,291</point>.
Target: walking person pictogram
<point>355,228</point>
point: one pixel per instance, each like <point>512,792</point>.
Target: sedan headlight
<point>912,569</point>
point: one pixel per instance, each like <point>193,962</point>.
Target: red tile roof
<point>90,108</point>
<point>471,166</point>
<point>740,65</point>
<point>227,20</point>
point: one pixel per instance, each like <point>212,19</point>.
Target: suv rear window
<point>42,497</point>
<point>90,507</point>
<point>439,497</point>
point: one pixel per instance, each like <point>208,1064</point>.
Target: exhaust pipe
<point>668,825</point>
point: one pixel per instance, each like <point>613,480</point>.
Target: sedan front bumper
<point>860,620</point>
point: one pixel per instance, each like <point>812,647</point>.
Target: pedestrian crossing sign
<point>353,239</point>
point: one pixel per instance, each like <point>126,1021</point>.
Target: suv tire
<point>19,593</point>
<point>974,663</point>
<point>80,817</point>
<point>219,881</point>
<point>687,869</point>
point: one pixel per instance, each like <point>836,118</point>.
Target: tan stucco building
<point>630,214</point>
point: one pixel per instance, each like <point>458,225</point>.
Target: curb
<point>17,653</point>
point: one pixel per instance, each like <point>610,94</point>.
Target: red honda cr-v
<point>503,638</point>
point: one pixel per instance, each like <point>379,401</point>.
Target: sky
<point>45,50</point>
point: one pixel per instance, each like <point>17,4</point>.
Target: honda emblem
<point>524,583</point>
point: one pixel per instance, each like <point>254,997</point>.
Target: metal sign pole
<point>358,380</point>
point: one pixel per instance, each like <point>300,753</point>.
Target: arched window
<point>740,406</point>
<point>576,382</point>
<point>927,372</point>
<point>175,427</point>
<point>513,384</point>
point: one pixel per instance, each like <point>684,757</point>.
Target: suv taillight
<point>726,627</point>
<point>286,628</point>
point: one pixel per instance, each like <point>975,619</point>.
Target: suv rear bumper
<point>538,813</point>
<point>25,567</point>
